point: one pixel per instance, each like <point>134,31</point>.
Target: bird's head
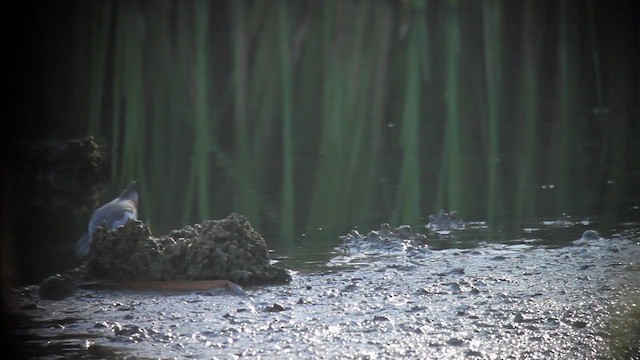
<point>130,193</point>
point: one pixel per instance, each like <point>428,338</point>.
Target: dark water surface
<point>543,293</point>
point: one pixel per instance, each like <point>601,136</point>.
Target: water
<point>541,293</point>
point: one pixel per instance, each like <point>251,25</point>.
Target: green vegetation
<point>304,115</point>
<point>492,25</point>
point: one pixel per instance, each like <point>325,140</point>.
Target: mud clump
<point>383,240</point>
<point>439,225</point>
<point>216,249</point>
<point>445,222</point>
<point>56,287</point>
<point>402,238</point>
<point>387,234</point>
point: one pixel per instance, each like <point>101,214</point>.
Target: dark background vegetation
<point>328,114</point>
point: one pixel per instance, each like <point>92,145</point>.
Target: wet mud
<point>380,296</point>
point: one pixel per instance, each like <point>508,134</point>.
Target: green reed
<point>562,133</point>
<point>200,166</point>
<point>159,132</point>
<point>288,170</point>
<point>492,36</point>
<point>133,108</point>
<point>527,136</point>
<point>303,115</point>
<point>178,182</point>
<point>246,198</point>
<point>327,187</point>
<point>451,178</point>
<point>408,207</point>
<point>371,120</point>
<point>360,172</point>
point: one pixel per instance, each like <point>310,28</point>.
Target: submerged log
<point>170,286</point>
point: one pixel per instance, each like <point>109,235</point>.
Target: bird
<point>112,214</point>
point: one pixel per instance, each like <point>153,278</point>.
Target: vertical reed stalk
<point>182,114</point>
<point>528,115</point>
<point>381,24</point>
<point>598,166</point>
<point>134,145</point>
<point>492,26</point>
<point>359,71</point>
<point>286,64</point>
<point>200,156</point>
<point>245,197</point>
<point>562,133</point>
<point>116,120</point>
<point>453,145</point>
<point>327,190</point>
<point>408,195</point>
<point>158,91</point>
<point>450,180</point>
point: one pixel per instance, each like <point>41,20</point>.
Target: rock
<point>56,287</point>
<point>216,249</point>
<point>275,308</point>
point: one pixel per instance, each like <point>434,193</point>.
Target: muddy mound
<point>385,240</point>
<point>216,249</point>
<point>445,221</point>
<point>402,238</point>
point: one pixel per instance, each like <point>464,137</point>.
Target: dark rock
<point>579,324</point>
<point>56,287</point>
<point>275,308</point>
<point>473,353</point>
<point>455,342</point>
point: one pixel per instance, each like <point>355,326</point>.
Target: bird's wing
<point>130,207</point>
